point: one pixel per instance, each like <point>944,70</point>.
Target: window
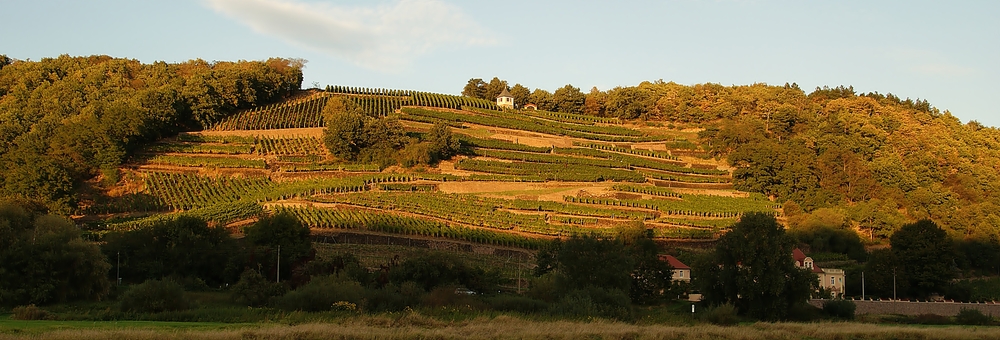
<point>833,281</point>
<point>682,274</point>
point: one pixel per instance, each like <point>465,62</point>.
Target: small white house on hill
<point>505,100</point>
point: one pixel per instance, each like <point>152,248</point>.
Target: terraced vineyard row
<point>646,190</point>
<point>498,144</point>
<point>289,146</point>
<point>691,205</point>
<point>533,126</point>
<point>305,113</point>
<point>210,162</point>
<point>569,117</point>
<point>390,223</point>
<point>466,209</point>
<point>185,192</point>
<point>607,160</point>
<point>572,126</point>
<point>640,152</point>
<point>551,172</point>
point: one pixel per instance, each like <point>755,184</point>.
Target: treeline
<point>68,119</point>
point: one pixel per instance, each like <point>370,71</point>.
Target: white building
<point>830,279</point>
<point>505,100</point>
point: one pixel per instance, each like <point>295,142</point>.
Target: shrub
<point>392,298</point>
<point>516,303</point>
<point>804,312</point>
<point>30,312</point>
<point>841,309</point>
<point>321,294</point>
<point>724,315</point>
<point>254,290</point>
<point>594,302</point>
<point>968,316</point>
<point>931,319</point>
<point>154,296</point>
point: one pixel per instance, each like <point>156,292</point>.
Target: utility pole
<point>893,284</point>
<point>862,286</point>
<point>118,271</point>
<point>277,273</point>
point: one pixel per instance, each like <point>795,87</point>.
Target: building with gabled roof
<point>681,272</point>
<point>832,280</point>
<point>505,100</point>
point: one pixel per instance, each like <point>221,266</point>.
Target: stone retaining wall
<point>917,308</point>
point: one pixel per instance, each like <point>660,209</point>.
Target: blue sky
<point>946,52</point>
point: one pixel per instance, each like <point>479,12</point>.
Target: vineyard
<point>496,192</point>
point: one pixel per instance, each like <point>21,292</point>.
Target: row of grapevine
<point>345,167</point>
<point>569,127</point>
<point>219,214</point>
<point>610,201</point>
<point>224,139</point>
<point>641,162</point>
<point>301,114</point>
<point>467,209</point>
<point>579,210</point>
<point>214,162</point>
<point>499,144</point>
<point>640,152</point>
<point>224,149</point>
<point>515,124</point>
<point>685,233</point>
<point>552,172</point>
<point>646,190</point>
<point>367,91</point>
<point>692,205</point>
<point>450,101</point>
<point>390,223</point>
<point>289,146</point>
<point>569,117</point>
<point>185,192</point>
<point>407,187</point>
<point>380,105</point>
<point>685,178</point>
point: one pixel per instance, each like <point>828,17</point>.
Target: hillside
<point>522,177</point>
<point>687,161</point>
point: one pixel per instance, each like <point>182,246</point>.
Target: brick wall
<point>917,308</point>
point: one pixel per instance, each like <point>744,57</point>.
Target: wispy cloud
<point>383,37</point>
<point>927,62</point>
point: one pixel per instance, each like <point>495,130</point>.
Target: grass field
<point>411,325</point>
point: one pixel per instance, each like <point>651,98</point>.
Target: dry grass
<point>409,326</point>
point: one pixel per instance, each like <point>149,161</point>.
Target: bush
<point>517,303</point>
<point>30,312</point>
<point>804,312</point>
<point>321,294</point>
<point>392,298</point>
<point>972,317</point>
<point>594,302</point>
<point>724,315</point>
<point>154,296</point>
<point>254,290</point>
<point>841,309</point>
<point>931,319</point>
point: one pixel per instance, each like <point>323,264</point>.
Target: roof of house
<point>800,257</point>
<point>674,262</point>
<point>505,93</point>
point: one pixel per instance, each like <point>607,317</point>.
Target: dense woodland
<point>67,120</point>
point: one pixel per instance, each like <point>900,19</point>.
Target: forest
<point>68,120</point>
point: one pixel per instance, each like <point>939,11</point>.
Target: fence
<point>917,307</point>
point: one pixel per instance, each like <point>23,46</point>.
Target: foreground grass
<point>414,325</point>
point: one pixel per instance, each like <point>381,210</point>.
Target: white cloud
<point>384,37</point>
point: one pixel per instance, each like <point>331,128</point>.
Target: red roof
<point>799,257</point>
<point>674,262</point>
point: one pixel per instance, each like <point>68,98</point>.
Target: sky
<point>945,52</point>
